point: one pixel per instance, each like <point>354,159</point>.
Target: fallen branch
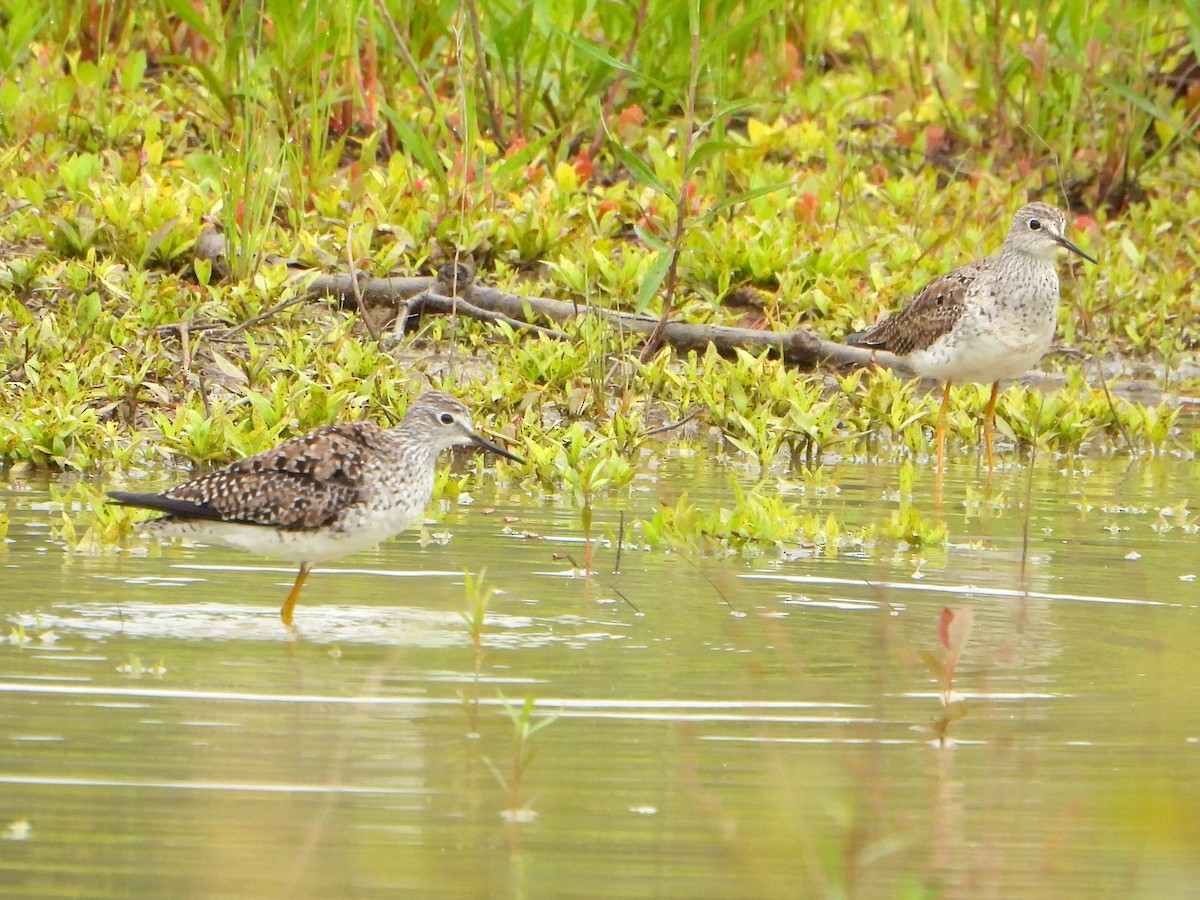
<point>798,348</point>
<point>428,301</point>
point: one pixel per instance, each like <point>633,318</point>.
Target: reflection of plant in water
<point>755,519</point>
<point>104,523</point>
<point>1177,516</point>
<point>524,728</point>
<point>908,527</point>
<point>20,638</point>
<point>479,597</point>
<point>954,628</point>
<point>135,668</point>
<point>978,501</point>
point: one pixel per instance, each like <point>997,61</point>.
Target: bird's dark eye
<point>1035,225</point>
<point>446,419</point>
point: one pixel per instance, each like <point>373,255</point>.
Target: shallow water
<point>713,726</point>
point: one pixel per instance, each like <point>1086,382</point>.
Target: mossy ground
<point>825,162</point>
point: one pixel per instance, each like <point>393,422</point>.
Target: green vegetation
<point>524,727</point>
<point>803,167</point>
<point>479,598</point>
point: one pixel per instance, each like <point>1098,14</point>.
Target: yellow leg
<point>988,418</point>
<point>288,605</point>
<point>941,433</point>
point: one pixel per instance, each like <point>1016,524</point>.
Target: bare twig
<point>687,557</point>
<point>363,312</point>
<point>16,208</point>
<point>1112,407</point>
<point>671,426</point>
<point>632,605</point>
<point>185,346</point>
<point>202,386</point>
<point>610,96</point>
<point>482,73</point>
<point>655,340</point>
<point>406,55</point>
<point>428,301</point>
<point>274,310</point>
<point>173,327</point>
<point>620,546</point>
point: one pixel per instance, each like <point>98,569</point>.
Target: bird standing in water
<point>327,494</point>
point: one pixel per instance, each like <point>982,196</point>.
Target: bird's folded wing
<point>277,499</point>
<point>302,483</point>
<point>931,314</point>
<point>334,453</point>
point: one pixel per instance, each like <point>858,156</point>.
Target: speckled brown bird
<point>991,319</point>
<point>332,492</point>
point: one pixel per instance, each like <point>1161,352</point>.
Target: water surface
<point>715,725</point>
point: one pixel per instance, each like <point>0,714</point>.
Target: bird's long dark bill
<point>1065,243</point>
<point>496,448</point>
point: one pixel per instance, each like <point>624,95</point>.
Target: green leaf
<point>206,165</point>
<point>734,32</point>
<point>735,106</point>
<point>642,173</point>
<point>1148,106</point>
<point>187,12</point>
<point>417,146</point>
<point>203,270</point>
<point>743,197</point>
<point>652,240</point>
<point>23,23</point>
<point>133,70</point>
<point>703,151</point>
<point>934,664</point>
<point>654,279</point>
<point>154,241</point>
<point>520,158</point>
<point>955,711</point>
<point>603,56</point>
<point>88,309</point>
<point>215,83</point>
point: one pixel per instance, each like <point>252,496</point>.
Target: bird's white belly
<point>298,546</point>
<point>981,357</point>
